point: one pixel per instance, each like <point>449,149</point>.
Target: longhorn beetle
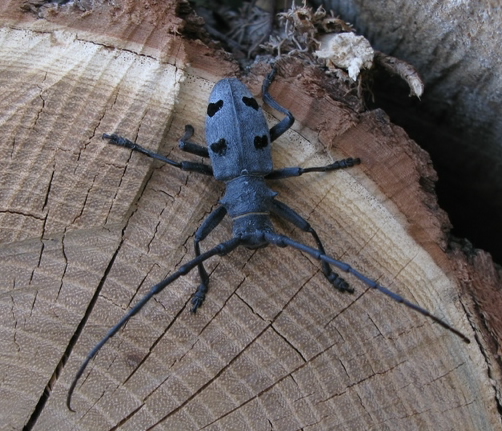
<point>239,146</point>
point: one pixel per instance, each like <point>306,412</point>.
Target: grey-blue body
<point>237,132</point>
<point>239,146</point>
<point>240,149</point>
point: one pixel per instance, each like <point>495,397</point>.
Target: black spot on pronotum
<point>249,101</point>
<point>213,108</point>
<point>220,147</point>
<point>260,142</point>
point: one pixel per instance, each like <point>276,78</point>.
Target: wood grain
<point>87,229</point>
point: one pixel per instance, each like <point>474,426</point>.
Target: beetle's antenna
<point>282,241</point>
<point>221,249</point>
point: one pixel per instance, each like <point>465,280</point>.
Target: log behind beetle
<point>239,147</point>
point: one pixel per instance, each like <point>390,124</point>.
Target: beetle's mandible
<point>239,147</point>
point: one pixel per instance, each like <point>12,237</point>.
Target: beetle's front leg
<point>213,220</point>
<point>285,212</point>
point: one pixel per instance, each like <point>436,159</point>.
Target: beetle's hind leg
<point>286,122</point>
<point>213,220</point>
<point>282,210</point>
<point>191,147</point>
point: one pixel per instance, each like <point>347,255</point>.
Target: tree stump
<point>456,48</point>
<point>87,228</point>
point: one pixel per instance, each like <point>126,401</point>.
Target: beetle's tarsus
<point>340,283</point>
<point>199,297</point>
<point>119,140</point>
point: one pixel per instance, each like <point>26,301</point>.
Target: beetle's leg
<point>285,123</point>
<point>191,147</point>
<point>279,174</point>
<point>220,249</point>
<point>289,214</point>
<point>201,168</point>
<point>283,241</point>
<point>213,220</point>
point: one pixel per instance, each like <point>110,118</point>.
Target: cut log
<point>456,48</point>
<point>87,228</point>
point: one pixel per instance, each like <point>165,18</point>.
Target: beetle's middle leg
<point>213,220</point>
<point>183,165</point>
<point>279,174</point>
<point>282,210</point>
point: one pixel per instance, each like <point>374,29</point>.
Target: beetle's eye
<point>249,101</point>
<point>260,142</point>
<point>219,147</point>
<point>213,108</point>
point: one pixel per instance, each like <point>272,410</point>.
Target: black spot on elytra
<point>220,147</point>
<point>260,142</point>
<point>213,108</point>
<point>249,101</point>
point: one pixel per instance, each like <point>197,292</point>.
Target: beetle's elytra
<point>239,147</point>
<point>237,133</point>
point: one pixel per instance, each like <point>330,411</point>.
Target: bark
<point>87,228</point>
<point>456,47</point>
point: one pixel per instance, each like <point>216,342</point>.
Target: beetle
<point>239,147</point>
